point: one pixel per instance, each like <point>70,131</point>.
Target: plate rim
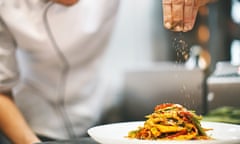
<point>91,130</point>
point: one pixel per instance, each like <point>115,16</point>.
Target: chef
<point>50,53</point>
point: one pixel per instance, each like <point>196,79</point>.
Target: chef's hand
<point>66,2</point>
<point>180,15</point>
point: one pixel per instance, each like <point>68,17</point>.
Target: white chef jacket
<point>50,56</point>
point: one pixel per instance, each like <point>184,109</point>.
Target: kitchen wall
<point>139,37</point>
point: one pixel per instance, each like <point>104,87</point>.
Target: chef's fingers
<point>180,15</point>
<point>167,13</point>
<point>188,21</point>
<point>173,14</point>
<point>177,15</point>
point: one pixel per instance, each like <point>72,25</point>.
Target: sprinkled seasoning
<point>182,55</point>
<point>181,47</point>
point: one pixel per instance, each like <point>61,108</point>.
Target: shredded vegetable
<point>171,122</point>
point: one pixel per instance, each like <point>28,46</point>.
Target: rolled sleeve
<point>8,65</point>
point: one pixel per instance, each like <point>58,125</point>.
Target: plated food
<point>171,122</point>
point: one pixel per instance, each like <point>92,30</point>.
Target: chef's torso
<point>59,48</point>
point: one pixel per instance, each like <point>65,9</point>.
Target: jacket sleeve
<point>8,65</point>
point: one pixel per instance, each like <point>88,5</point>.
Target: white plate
<point>116,134</point>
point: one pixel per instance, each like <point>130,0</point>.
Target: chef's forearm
<point>12,123</point>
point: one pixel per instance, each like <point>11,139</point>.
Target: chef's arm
<point>12,123</point>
